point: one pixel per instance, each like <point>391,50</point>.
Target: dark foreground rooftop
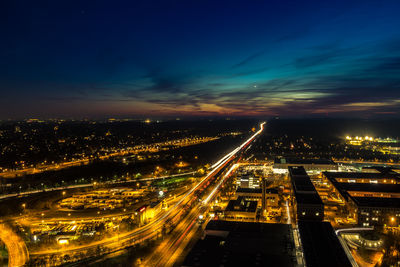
<point>246,244</point>
<point>321,246</point>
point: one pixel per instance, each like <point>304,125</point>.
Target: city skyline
<point>156,58</point>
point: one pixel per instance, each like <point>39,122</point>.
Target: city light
<point>63,241</point>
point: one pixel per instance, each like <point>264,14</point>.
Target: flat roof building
<point>306,202</point>
<point>321,246</point>
<point>271,194</point>
<point>241,209</point>
<point>281,165</point>
<point>230,243</point>
<point>373,199</point>
<point>248,181</point>
<point>363,177</point>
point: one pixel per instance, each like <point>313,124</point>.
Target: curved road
<point>17,251</point>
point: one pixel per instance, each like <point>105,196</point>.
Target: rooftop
<point>368,187</point>
<point>242,205</point>
<point>302,183</point>
<point>256,190</point>
<point>303,161</point>
<point>308,198</point>
<point>247,244</point>
<point>360,175</point>
<point>382,169</point>
<point>321,246</point>
<point>249,190</point>
<point>303,188</point>
<point>297,171</point>
<point>380,202</point>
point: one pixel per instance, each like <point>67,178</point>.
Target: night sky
<point>199,58</point>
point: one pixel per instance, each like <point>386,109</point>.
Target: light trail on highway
<point>210,196</point>
<point>60,188</point>
<point>174,245</point>
<point>240,147</point>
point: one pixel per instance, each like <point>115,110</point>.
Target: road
<point>181,234</point>
<point>173,215</point>
<point>152,148</point>
<point>17,251</point>
<point>59,188</point>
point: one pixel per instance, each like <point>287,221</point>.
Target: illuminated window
<point>303,213</point>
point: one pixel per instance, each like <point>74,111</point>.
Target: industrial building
<point>281,165</point>
<point>321,246</point>
<point>255,194</point>
<point>248,181</point>
<point>306,201</point>
<point>373,199</point>
<point>229,243</point>
<point>370,177</point>
<point>241,209</point>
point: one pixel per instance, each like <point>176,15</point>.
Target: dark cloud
<point>251,72</point>
<point>315,60</point>
<point>292,36</point>
<point>327,54</point>
<point>391,65</point>
<point>353,92</point>
<point>249,59</point>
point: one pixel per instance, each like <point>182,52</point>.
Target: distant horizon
<point>154,119</point>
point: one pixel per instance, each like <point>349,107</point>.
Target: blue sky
<point>199,58</point>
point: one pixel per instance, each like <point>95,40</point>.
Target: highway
<point>175,244</point>
<point>152,148</point>
<point>174,214</point>
<point>60,188</point>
